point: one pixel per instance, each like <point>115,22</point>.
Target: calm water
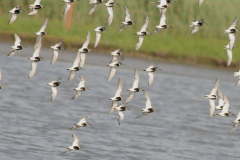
<point>33,127</point>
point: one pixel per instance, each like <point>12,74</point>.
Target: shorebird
<point>163,5</point>
<point>162,24</point>
<point>229,50</point>
<point>75,67</point>
<point>35,6</point>
<point>35,58</point>
<point>115,62</point>
<point>120,110</point>
<point>134,88</point>
<point>212,96</point>
<point>1,87</point>
<point>95,4</point>
<point>84,50</point>
<point>127,21</point>
<point>226,106</point>
<point>237,74</point>
<point>75,145</point>
<point>118,96</point>
<point>148,108</point>
<point>67,5</point>
<point>196,25</point>
<point>53,86</point>
<point>81,87</point>
<point>17,46</point>
<point>81,123</point>
<point>235,123</point>
<point>142,33</point>
<point>110,4</point>
<point>55,49</point>
<point>117,52</point>
<point>231,32</point>
<point>42,30</point>
<point>14,12</point>
<point>98,31</point>
<point>200,2</point>
<point>150,71</point>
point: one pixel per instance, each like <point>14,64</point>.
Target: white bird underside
<point>111,73</point>
<point>110,13</point>
<point>98,36</point>
<point>54,57</point>
<point>54,93</point>
<point>200,2</point>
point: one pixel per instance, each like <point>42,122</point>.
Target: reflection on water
<point>33,127</point>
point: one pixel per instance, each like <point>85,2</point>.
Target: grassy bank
<point>204,47</point>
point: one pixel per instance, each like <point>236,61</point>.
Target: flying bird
<point>142,33</point>
<point>17,46</point>
<point>231,32</point>
<point>42,32</point>
<point>55,49</point>
<point>75,67</point>
<point>84,50</point>
<point>127,21</point>
<point>117,96</point>
<point>117,52</point>
<point>196,25</point>
<point>81,87</point>
<point>229,50</point>
<point>81,123</point>
<point>120,110</point>
<point>162,24</point>
<point>95,4</point>
<point>150,71</point>
<point>53,86</point>
<point>148,108</point>
<point>1,87</point>
<point>110,4</point>
<point>67,5</point>
<point>235,123</point>
<point>134,88</point>
<point>98,31</point>
<point>212,96</point>
<point>35,7</point>
<point>15,11</point>
<point>35,58</point>
<point>75,145</point>
<point>115,62</point>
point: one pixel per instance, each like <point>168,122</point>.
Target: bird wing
<point>114,105</point>
<point>71,76</point>
<point>67,7</point>
<point>122,28</point>
<point>17,40</point>
<point>110,13</point>
<point>54,57</point>
<point>38,43</point>
<point>235,22</point>
<point>131,95</point>
<point>238,116</point>
<point>54,93</point>
<point>214,90</point>
<point>162,11</point>
<point>226,104</point>
<point>12,53</point>
<point>34,11</point>
<point>78,93</point>
<point>235,126</point>
<point>238,82</point>
<point>81,83</point>
<point>37,2</point>
<point>145,25</point>
<point>75,140</point>
<point>232,39</point>
<point>140,41</point>
<point>148,100</point>
<point>229,53</point>
<point>59,43</point>
<point>157,30</point>
<point>163,20</point>
<point>111,73</point>
<point>98,36</point>
<point>196,28</point>
<point>83,120</point>
<point>66,151</point>
<point>136,80</point>
<point>93,8</point>
<point>13,18</point>
<point>127,12</point>
<point>33,69</point>
<point>212,107</point>
<point>119,88</point>
<point>121,117</point>
<point>85,44</point>
<point>143,114</point>
<point>44,25</point>
<point>200,2</point>
<point>83,58</point>
<point>150,78</point>
<point>77,60</point>
<point>56,80</point>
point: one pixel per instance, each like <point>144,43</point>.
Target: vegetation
<point>175,42</point>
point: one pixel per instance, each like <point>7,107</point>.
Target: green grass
<point>208,42</point>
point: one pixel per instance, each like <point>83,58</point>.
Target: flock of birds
<point>117,57</point>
